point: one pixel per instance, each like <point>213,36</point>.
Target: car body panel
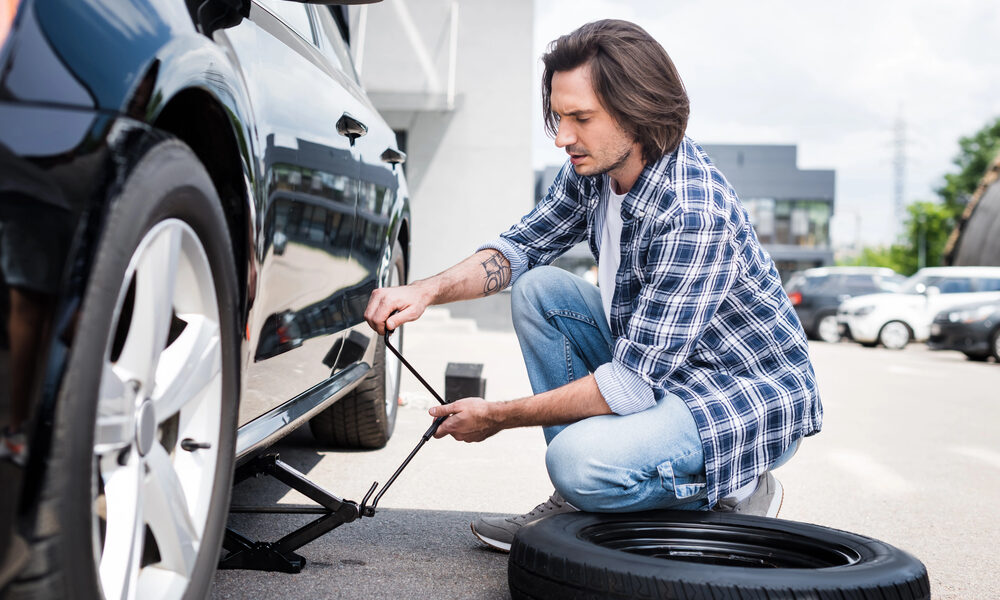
<point>84,86</point>
<point>821,290</point>
<point>967,328</point>
<point>864,317</point>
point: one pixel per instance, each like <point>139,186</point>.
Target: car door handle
<point>393,156</point>
<point>350,127</point>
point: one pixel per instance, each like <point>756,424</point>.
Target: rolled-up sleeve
<point>623,389</point>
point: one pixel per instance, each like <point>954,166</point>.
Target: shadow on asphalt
<point>399,553</point>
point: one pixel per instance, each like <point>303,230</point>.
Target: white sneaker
<point>765,501</point>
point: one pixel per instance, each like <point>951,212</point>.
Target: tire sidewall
<point>558,538</point>
<point>392,404</point>
<point>167,182</point>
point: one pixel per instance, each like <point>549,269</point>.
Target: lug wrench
<point>366,510</point>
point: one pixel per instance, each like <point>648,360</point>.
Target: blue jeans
<point>608,463</point>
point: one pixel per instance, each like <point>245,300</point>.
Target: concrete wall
<point>469,163</point>
<point>766,171</point>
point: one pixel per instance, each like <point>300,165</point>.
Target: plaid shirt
<point>698,309</point>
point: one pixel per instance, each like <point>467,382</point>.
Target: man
<point>685,377</point>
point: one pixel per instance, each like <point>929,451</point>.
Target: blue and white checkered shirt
<point>698,309</point>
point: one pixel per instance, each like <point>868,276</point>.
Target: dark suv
<point>816,294</point>
<point>196,200</point>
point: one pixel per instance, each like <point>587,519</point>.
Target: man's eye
<point>582,119</point>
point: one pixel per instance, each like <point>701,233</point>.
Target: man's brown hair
<point>632,76</point>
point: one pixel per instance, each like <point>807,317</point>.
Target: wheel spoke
<point>187,367</point>
<point>115,412</point>
<point>152,311</point>
<point>167,513</point>
<point>125,534</point>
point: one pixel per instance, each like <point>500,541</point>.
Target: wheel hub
<point>145,428</point>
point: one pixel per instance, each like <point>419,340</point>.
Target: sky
<point>831,78</point>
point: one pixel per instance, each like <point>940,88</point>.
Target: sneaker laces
<point>555,502</point>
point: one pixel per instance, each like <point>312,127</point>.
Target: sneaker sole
<point>777,500</point>
<point>492,543</point>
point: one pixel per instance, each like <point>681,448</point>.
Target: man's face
<point>593,139</point>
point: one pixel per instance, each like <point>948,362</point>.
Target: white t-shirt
<point>611,254</point>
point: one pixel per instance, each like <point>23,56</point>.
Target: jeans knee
<point>571,471</point>
<point>531,289</point>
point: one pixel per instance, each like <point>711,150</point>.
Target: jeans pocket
<point>682,485</point>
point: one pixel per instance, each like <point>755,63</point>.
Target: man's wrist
<point>428,290</point>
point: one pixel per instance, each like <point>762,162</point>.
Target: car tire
<point>827,329</point>
<point>895,335</point>
<point>124,511</point>
<point>976,356</point>
<point>696,554</point>
<point>995,345</point>
<point>366,417</point>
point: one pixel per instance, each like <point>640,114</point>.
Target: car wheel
<point>995,345</point>
<point>136,489</point>
<point>366,417</point>
<point>976,356</point>
<point>895,335</point>
<point>695,554</point>
<point>827,329</point>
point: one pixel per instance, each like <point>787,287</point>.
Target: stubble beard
<point>601,169</point>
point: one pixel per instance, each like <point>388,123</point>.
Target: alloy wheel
<point>829,329</point>
<point>157,435</point>
<point>894,335</point>
<point>393,368</point>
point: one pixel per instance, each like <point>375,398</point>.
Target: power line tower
<point>899,170</point>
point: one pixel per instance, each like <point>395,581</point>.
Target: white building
<point>454,79</point>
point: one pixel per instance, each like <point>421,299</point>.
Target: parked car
<point>197,200</point>
<point>896,319</point>
<point>973,329</point>
<point>816,294</point>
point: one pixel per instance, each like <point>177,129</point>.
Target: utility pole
<point>899,170</point>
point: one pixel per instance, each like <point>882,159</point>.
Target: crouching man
<point>684,378</point>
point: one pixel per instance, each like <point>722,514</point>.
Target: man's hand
<point>471,420</point>
<point>410,300</point>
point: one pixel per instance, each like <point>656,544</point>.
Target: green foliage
<point>975,154</point>
<point>928,225</point>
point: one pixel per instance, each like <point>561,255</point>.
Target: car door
<point>380,162</point>
<point>306,207</point>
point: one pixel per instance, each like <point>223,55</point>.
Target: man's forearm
<point>566,404</point>
<point>485,272</point>
<point>474,419</point>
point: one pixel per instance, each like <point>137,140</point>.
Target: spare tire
<point>693,554</point>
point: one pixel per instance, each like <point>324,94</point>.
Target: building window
<point>790,222</point>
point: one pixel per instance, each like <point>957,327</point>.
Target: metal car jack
<point>280,555</point>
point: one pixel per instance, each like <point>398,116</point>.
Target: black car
<point>816,294</point>
<point>973,329</point>
<point>196,200</point>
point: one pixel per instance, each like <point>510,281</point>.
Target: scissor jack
<point>244,553</point>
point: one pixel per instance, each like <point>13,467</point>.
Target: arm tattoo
<point>497,273</point>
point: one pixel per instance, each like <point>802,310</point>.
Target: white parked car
<point>895,319</point>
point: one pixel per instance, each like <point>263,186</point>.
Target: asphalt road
<point>909,453</point>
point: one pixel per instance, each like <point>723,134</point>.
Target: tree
<point>926,231</point>
<point>974,156</point>
<point>928,224</point>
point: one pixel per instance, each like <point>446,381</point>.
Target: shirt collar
<point>644,196</point>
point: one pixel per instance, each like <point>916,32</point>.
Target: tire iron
<point>366,510</point>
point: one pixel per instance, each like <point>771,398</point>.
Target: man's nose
<point>564,135</point>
